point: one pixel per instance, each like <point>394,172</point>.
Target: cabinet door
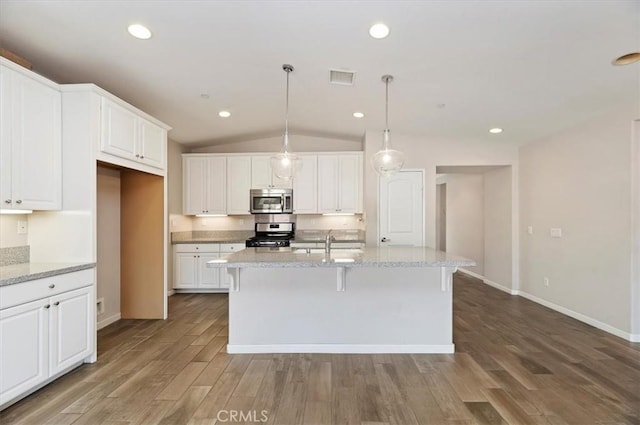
<point>238,184</point>
<point>349,184</point>
<point>261,172</point>
<point>216,185</point>
<point>305,186</point>
<point>5,138</point>
<point>24,351</point>
<point>152,144</point>
<point>185,270</point>
<point>327,184</point>
<point>208,277</point>
<point>36,144</point>
<point>70,328</point>
<point>194,170</point>
<point>119,130</point>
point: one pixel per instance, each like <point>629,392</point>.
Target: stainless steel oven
<point>271,201</point>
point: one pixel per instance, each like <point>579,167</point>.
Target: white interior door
<point>400,215</point>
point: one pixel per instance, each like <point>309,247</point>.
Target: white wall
<point>108,249</point>
<point>9,236</point>
<point>580,180</point>
<point>424,153</point>
<point>635,221</point>
<point>299,143</point>
<point>465,217</point>
<point>497,227</point>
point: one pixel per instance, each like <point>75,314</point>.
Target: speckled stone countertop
<point>318,236</point>
<point>18,273</point>
<point>240,236</point>
<point>211,236</point>
<point>365,257</point>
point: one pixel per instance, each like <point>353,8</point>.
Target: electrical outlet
<point>100,306</point>
<point>241,221</point>
<point>555,232</point>
<point>546,281</point>
<point>530,230</point>
<point>22,227</point>
<point>174,222</point>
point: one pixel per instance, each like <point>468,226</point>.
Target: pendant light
<point>285,164</point>
<point>387,161</point>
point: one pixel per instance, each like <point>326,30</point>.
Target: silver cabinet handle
<point>19,201</point>
<point>47,306</point>
<point>52,286</point>
<point>385,240</point>
<point>141,156</point>
<point>7,201</point>
<point>56,303</point>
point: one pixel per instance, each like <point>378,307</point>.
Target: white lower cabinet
<point>24,351</point>
<point>190,266</point>
<point>42,338</point>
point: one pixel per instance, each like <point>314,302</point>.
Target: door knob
<point>384,240</point>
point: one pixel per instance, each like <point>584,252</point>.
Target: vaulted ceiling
<point>460,67</point>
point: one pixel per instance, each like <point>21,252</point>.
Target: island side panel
<point>382,310</point>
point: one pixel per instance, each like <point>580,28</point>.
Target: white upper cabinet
<point>262,176</point>
<point>238,184</point>
<point>127,135</point>
<point>340,183</point>
<point>305,186</point>
<point>30,141</point>
<point>205,184</point>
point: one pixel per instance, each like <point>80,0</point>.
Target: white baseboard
<point>170,292</point>
<point>581,317</point>
<point>489,282</point>
<point>578,316</point>
<point>106,322</point>
<point>339,349</point>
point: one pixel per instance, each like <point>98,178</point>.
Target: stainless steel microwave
<point>271,201</point>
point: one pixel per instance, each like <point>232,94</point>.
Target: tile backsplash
<point>246,222</point>
<point>14,255</point>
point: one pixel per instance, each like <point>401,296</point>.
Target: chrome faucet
<point>327,242</point>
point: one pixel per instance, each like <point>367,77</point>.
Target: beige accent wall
<point>142,255</point>
<point>465,217</point>
<point>299,143</point>
<point>579,180</point>
<point>108,241</point>
<point>9,236</point>
<point>498,255</point>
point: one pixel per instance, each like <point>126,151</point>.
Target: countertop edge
<point>45,274</point>
<point>312,264</point>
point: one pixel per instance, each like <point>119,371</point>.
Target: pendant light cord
<point>287,69</point>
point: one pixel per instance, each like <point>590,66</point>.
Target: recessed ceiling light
<point>224,114</point>
<point>139,31</point>
<point>495,130</point>
<point>358,114</point>
<point>627,59</point>
<point>379,30</point>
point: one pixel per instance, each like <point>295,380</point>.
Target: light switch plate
<point>556,232</point>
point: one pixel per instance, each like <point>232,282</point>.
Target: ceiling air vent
<point>342,77</point>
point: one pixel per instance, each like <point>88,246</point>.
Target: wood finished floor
<point>516,363</point>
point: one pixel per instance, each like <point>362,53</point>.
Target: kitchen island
<point>369,300</point>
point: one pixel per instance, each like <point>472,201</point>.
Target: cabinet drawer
<point>32,290</point>
<point>231,247</point>
<point>199,247</point>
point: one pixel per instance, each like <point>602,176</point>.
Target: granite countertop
<point>211,236</point>
<point>318,236</point>
<point>365,257</point>
<point>18,273</point>
<point>240,236</point>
